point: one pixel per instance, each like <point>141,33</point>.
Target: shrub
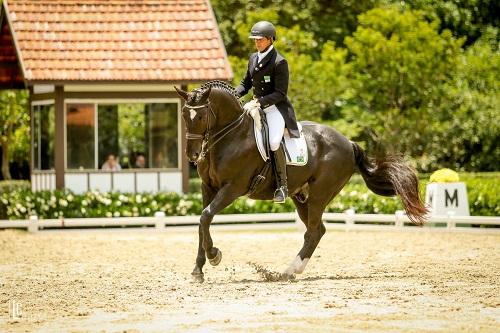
<point>444,176</point>
<point>22,202</point>
<point>11,185</point>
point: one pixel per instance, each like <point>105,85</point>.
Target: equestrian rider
<point>268,74</point>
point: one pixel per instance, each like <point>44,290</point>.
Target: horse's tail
<point>391,176</point>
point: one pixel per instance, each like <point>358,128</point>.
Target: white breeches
<point>276,126</point>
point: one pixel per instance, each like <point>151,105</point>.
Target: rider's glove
<point>252,105</point>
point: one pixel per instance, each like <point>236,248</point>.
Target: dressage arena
<point>139,280</point>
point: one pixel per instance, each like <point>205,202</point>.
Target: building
<point>101,76</point>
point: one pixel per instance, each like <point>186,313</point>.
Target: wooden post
<point>59,144</point>
<point>183,146</point>
<point>33,224</point>
<point>450,224</point>
<point>349,221</point>
<point>160,223</point>
<point>399,219</point>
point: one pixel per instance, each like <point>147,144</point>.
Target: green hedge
<point>12,185</point>
<point>483,194</point>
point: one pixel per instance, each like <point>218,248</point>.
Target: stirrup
<point>280,194</point>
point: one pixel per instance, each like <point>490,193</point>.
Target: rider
<point>267,73</point>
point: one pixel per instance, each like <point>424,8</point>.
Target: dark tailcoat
<point>269,79</point>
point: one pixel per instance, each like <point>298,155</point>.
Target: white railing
<point>345,221</point>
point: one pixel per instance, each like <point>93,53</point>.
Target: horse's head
<point>196,115</point>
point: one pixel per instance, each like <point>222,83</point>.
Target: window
<point>43,136</point>
<point>139,135</point>
<point>163,143</point>
<point>80,122</point>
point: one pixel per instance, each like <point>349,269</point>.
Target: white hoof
<point>297,266</point>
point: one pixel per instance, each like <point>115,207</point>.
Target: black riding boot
<point>280,170</point>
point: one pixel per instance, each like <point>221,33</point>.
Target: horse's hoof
<point>287,277</point>
<point>216,260</point>
<point>198,277</point>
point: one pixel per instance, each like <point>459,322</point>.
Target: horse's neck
<point>226,110</point>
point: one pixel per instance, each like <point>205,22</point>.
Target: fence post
<point>159,223</point>
<point>349,220</point>
<point>33,223</point>
<point>450,223</point>
<point>399,219</point>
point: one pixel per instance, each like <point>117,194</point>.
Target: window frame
<point>101,101</point>
<point>34,104</point>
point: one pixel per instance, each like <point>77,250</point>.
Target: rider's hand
<point>252,105</point>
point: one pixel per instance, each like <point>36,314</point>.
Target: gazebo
<point>101,77</point>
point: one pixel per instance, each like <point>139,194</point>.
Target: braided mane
<point>224,86</point>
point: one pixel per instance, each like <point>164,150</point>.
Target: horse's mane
<point>221,85</point>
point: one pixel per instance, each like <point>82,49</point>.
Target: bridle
<point>207,136</point>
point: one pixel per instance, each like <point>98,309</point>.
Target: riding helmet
<point>263,29</point>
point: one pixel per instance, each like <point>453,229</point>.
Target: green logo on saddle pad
<point>300,159</point>
<point>267,78</point>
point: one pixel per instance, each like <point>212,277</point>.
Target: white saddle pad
<point>297,147</point>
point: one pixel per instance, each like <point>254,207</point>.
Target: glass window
<point>43,136</point>
<point>163,139</point>
<point>107,133</point>
<point>138,135</point>
<point>80,136</point>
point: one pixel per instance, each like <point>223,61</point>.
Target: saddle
<point>295,148</point>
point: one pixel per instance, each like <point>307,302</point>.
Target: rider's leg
<point>276,125</point>
<point>276,128</point>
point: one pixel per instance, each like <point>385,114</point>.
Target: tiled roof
<point>169,40</point>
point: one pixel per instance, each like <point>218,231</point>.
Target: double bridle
<point>207,136</point>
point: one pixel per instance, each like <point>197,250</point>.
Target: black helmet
<point>263,29</point>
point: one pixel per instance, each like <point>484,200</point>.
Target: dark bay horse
<point>221,141</point>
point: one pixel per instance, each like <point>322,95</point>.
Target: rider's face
<point>263,43</point>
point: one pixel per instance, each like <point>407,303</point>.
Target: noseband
<point>207,136</point>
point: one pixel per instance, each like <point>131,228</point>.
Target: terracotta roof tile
<point>170,40</point>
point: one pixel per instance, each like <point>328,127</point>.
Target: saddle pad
<point>296,147</point>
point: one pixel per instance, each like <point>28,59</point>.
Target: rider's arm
<point>280,86</point>
<point>245,85</point>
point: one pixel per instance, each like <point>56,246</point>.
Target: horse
<point>221,142</point>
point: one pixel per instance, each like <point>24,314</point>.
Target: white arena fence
<point>342,221</point>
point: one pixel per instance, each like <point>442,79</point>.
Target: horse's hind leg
<point>310,213</point>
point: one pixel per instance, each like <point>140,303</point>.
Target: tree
<point>469,18</point>
<point>401,65</point>
<point>471,135</point>
<point>14,126</point>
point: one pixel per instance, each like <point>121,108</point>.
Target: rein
<point>206,145</point>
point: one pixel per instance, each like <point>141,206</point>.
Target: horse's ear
<point>182,93</point>
<point>205,94</point>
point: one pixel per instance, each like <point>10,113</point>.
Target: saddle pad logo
<point>267,78</point>
<point>300,159</point>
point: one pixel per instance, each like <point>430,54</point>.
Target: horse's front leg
<point>208,195</point>
<point>223,198</point>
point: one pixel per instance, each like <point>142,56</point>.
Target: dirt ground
<point>136,281</point>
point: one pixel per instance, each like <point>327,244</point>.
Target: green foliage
<point>467,18</point>
<point>484,199</point>
<point>401,68</point>
<point>484,196</point>
<point>14,185</point>
<point>417,77</point>
<point>14,127</point>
